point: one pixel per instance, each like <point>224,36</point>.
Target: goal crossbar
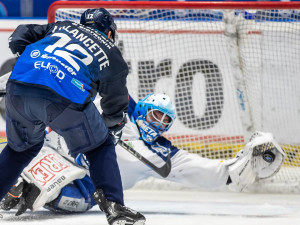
<point>168,5</point>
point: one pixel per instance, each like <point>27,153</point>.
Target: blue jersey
<point>73,61</point>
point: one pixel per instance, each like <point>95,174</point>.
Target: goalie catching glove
<point>261,158</point>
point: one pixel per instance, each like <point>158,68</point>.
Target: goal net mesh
<point>229,73</point>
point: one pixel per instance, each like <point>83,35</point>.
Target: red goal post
<point>230,68</point>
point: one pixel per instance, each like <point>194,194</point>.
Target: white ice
<point>183,208</point>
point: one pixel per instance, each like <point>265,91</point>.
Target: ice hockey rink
<point>194,207</point>
<point>163,207</point>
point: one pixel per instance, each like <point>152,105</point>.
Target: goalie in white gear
<point>150,118</point>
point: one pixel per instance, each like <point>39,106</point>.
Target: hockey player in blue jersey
<point>60,69</point>
<point>150,118</point>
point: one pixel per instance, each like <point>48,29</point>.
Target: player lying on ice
<point>149,119</point>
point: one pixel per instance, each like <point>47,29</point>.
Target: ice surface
<point>183,208</point>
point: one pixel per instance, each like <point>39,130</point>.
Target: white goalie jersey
<point>189,169</point>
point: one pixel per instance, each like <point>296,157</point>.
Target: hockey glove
<point>261,158</point>
<point>116,131</point>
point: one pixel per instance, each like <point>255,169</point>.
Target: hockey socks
<point>104,171</point>
<point>12,164</point>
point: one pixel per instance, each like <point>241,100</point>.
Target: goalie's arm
<point>249,165</point>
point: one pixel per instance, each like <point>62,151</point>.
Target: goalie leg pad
<point>75,197</point>
<point>50,172</point>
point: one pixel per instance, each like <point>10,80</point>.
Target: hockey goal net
<point>231,68</point>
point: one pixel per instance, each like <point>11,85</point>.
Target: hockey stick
<point>163,171</point>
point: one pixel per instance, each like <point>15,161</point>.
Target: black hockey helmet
<point>99,19</point>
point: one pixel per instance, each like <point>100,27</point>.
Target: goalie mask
<point>154,115</point>
<point>101,20</point>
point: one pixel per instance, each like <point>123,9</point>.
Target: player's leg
<point>12,164</point>
<point>85,132</point>
<point>25,138</point>
<point>104,171</point>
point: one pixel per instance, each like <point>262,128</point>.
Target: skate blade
<point>140,222</point>
<point>123,222</point>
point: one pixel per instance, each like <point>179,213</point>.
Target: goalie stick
<point>163,171</point>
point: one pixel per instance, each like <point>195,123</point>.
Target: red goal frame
<point>175,5</point>
<point>168,5</point>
